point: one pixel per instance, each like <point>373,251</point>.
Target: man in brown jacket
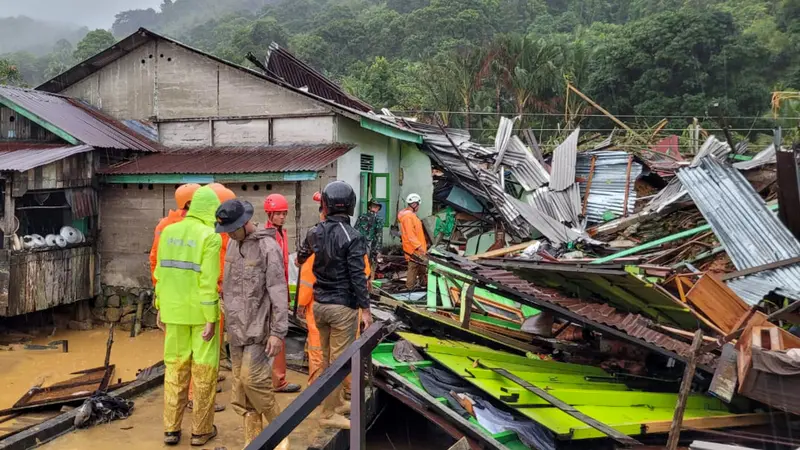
<point>255,290</point>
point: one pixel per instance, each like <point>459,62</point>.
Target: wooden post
<point>683,395</point>
<point>588,185</point>
<point>627,187</point>
<point>466,306</point>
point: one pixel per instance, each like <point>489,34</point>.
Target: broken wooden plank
<point>502,251</point>
<point>62,423</point>
<point>703,423</point>
<point>683,394</point>
<point>570,410</point>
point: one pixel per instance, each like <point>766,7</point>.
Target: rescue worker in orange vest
<point>305,303</point>
<point>414,244</point>
<point>277,208</point>
<point>183,199</point>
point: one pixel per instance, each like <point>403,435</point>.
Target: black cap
<point>232,215</point>
<point>338,197</point>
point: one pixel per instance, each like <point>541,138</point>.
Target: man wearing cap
<point>277,208</point>
<point>370,225</point>
<point>255,291</point>
<point>187,299</point>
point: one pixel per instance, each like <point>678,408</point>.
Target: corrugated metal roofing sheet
<point>753,235</point>
<point>634,325</point>
<point>764,157</point>
<point>221,160</point>
<point>284,65</point>
<point>27,159</point>
<point>609,180</point>
<point>564,156</point>
<point>79,120</point>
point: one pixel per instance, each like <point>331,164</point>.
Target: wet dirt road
<point>144,429</point>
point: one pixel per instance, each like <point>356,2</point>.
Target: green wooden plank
<point>390,131</point>
<point>39,121</point>
<point>444,292</point>
<point>432,297</point>
<point>625,420</point>
<point>178,178</point>
<point>553,379</point>
<point>488,356</point>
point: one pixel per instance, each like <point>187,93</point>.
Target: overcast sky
<point>91,13</point>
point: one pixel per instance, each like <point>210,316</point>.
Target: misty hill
<point>178,15</point>
<point>23,34</point>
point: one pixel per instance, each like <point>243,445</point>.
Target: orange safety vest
<point>412,233</point>
<point>305,285</point>
<point>172,217</point>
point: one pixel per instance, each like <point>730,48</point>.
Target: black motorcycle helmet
<point>338,197</point>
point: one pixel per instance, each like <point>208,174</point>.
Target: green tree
<point>94,42</point>
<point>60,59</point>
<point>9,74</point>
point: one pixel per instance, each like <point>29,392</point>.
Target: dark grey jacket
<point>254,290</point>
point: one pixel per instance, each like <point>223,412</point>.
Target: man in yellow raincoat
<point>187,299</point>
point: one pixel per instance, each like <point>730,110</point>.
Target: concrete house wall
<point>197,101</point>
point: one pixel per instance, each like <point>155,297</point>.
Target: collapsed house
<point>639,265</point>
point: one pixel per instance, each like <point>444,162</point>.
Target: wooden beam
<point>729,421</point>
<point>606,113</point>
<point>570,410</point>
<point>588,184</point>
<point>503,251</point>
<point>683,394</point>
<point>752,270</point>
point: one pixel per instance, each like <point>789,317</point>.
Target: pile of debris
<point>560,285</point>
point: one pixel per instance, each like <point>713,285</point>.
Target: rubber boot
<point>252,427</point>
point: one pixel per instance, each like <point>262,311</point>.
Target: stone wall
<point>118,305</point>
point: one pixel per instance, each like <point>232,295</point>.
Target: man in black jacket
<point>340,292</point>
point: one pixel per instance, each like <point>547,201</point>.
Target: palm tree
<point>532,73</point>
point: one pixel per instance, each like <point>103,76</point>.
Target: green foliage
<point>9,74</point>
<point>94,42</point>
<point>473,60</point>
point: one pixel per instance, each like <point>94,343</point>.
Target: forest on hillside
<point>471,60</point>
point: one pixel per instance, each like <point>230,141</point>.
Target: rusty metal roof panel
<point>227,160</point>
<point>285,66</point>
<point>633,325</point>
<point>78,119</point>
<point>25,159</point>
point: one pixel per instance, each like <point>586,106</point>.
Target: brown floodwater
<point>22,369</point>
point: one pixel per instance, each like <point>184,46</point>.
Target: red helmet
<point>275,203</point>
<point>318,197</point>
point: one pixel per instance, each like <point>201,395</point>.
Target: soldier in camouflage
<point>370,225</point>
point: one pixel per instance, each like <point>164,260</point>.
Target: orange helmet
<point>184,194</point>
<point>318,197</point>
<point>275,203</point>
<point>224,194</point>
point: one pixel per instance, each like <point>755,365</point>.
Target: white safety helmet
<point>413,198</point>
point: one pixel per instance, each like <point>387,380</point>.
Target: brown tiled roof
<point>229,160</point>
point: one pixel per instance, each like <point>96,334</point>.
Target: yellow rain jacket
<point>188,265</point>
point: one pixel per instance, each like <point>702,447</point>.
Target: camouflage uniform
<point>370,225</point>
